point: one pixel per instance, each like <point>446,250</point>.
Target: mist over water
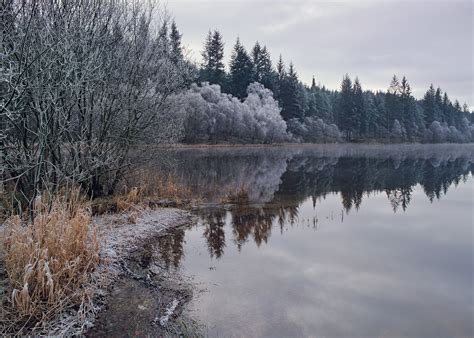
<point>329,240</point>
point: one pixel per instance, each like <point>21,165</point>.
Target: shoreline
<point>261,145</point>
<point>123,244</point>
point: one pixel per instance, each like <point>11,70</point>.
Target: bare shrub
<point>81,83</point>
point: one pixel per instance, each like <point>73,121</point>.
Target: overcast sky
<point>428,41</point>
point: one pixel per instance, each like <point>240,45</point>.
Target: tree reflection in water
<point>279,180</point>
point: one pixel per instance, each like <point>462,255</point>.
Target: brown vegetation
<point>48,262</point>
<point>141,189</point>
<point>236,196</point>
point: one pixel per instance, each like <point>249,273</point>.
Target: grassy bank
<point>54,257</point>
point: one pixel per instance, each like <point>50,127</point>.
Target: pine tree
<point>175,44</point>
<point>163,40</point>
<point>290,95</point>
<point>439,105</point>
<point>281,69</point>
<point>212,70</point>
<point>345,114</point>
<point>410,118</point>
<point>263,70</point>
<point>393,104</point>
<point>359,122</point>
<point>241,70</point>
<point>447,110</point>
<point>257,62</point>
<point>429,106</point>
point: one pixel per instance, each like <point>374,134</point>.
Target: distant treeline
<point>394,115</point>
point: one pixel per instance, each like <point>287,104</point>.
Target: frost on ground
<point>118,238</point>
<point>168,312</point>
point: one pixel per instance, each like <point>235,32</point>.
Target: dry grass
<point>146,186</point>
<point>236,196</point>
<point>48,263</point>
<point>158,185</point>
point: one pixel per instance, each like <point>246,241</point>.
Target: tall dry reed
<point>48,261</point>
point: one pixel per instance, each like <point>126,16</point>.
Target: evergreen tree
<point>346,112</point>
<point>291,95</point>
<point>257,62</point>
<point>241,70</point>
<point>163,40</point>
<point>360,114</point>
<point>313,84</point>
<point>281,69</point>
<point>447,110</point>
<point>263,69</point>
<point>429,106</point>
<point>212,70</point>
<point>410,118</point>
<point>393,104</point>
<point>439,105</point>
<point>175,44</point>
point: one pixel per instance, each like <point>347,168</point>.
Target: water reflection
<point>278,181</point>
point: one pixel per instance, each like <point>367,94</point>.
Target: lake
<point>328,241</point>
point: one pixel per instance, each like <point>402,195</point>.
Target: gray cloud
<point>428,41</point>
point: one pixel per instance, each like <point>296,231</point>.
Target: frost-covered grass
<point>54,274</point>
<point>48,260</point>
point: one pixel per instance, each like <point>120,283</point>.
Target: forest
<point>83,84</point>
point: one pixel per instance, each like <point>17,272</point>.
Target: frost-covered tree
<point>208,115</point>
<point>397,132</point>
<point>82,83</point>
<point>313,130</point>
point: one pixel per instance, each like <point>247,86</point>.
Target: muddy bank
<point>147,299</point>
<point>142,297</point>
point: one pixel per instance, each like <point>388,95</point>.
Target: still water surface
<point>329,241</point>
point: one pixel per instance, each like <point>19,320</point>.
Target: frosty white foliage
<point>208,115</point>
<point>441,132</point>
<point>81,83</point>
<point>313,130</point>
<point>168,312</point>
<point>398,132</point>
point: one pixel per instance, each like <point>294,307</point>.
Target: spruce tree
<point>175,44</point>
<point>313,84</point>
<point>281,69</point>
<point>345,114</point>
<point>393,104</point>
<point>241,70</point>
<point>257,62</point>
<point>410,117</point>
<point>359,122</point>
<point>212,69</point>
<point>163,40</point>
<point>429,106</point>
<point>263,70</point>
<point>291,95</point>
